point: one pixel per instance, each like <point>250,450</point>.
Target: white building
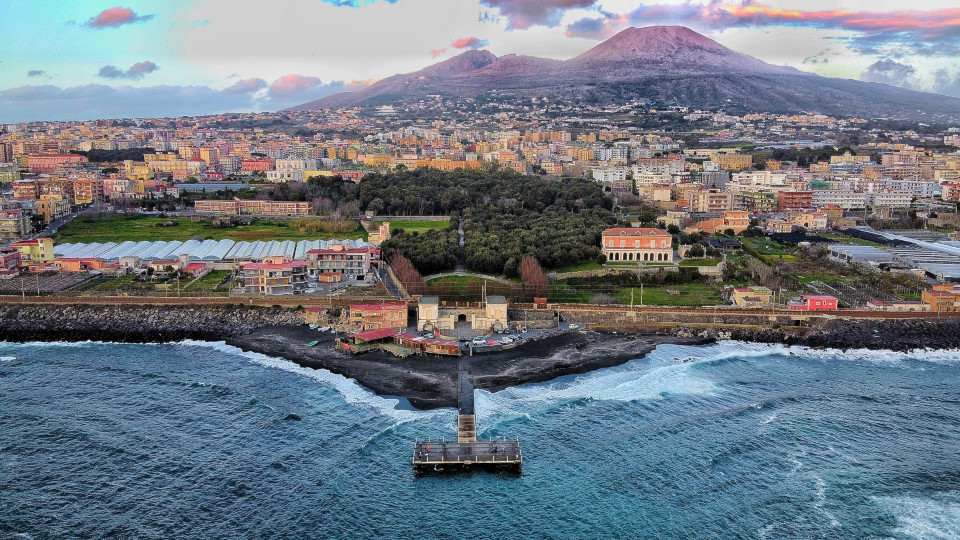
<point>841,198</point>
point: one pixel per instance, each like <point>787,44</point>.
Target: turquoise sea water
<point>748,441</point>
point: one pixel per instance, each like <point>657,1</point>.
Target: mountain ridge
<point>669,64</point>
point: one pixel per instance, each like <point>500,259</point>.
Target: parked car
<point>479,340</point>
<point>492,343</point>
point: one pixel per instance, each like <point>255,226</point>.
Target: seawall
<point>137,323</point>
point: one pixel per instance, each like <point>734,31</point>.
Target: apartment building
<point>48,163</point>
<point>275,275</point>
<point>254,208</point>
<point>346,261</point>
<point>840,198</point>
<point>711,200</point>
<point>380,315</point>
<point>794,200</point>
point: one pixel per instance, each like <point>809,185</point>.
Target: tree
<point>696,251</point>
<point>673,229</point>
<point>408,275</point>
<point>729,232</point>
<point>535,281</point>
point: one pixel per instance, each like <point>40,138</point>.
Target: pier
<point>467,452</point>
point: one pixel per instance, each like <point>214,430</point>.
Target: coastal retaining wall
<point>137,324</point>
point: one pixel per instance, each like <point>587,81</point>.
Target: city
<point>480,268</point>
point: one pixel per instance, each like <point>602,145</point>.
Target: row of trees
<point>408,275</point>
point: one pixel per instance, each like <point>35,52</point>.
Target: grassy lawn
<point>700,262</point>
<point>690,294</point>
<point>764,246</point>
<point>128,283</point>
<point>208,282</point>
<point>562,293</point>
<point>468,288</point>
<point>418,226</point>
<point>118,228</point>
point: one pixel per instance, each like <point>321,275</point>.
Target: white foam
<point>349,389</point>
<point>7,358</point>
<point>636,380</point>
<point>925,517</point>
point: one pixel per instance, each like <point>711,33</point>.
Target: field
<point>468,288</point>
<point>208,282</point>
<point>118,228</point>
<point>418,226</point>
<point>687,294</point>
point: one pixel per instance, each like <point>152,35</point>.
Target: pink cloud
<point>469,43</point>
<point>293,84</point>
<point>116,16</point>
<point>437,52</point>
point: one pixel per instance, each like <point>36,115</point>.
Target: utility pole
<point>38,284</point>
<point>641,294</point>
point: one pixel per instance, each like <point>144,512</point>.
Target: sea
<point>730,440</point>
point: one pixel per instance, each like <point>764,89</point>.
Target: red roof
<point>371,335</point>
<point>636,231</point>
<point>277,266</point>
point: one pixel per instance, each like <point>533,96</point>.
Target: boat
<point>323,328</point>
<point>313,327</point>
<point>312,343</point>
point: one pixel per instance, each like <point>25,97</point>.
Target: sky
<point>82,60</point>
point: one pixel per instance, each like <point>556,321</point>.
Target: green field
<point>208,282</point>
<point>418,226</point>
<point>764,246</point>
<point>690,294</point>
<point>118,228</point>
<point>468,288</point>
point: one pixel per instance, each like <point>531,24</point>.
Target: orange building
<point>943,297</point>
<point>794,200</point>
<point>79,265</point>
<point>637,244</point>
<point>737,220</point>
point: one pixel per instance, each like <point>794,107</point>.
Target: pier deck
<point>442,453</point>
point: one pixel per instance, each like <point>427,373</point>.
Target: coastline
<point>429,382</point>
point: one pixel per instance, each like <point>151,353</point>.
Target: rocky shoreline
<point>429,382</point>
<point>136,324</point>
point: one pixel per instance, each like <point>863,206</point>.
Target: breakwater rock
<point>888,334</point>
<point>137,324</point>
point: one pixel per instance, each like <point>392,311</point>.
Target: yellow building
<point>53,207</point>
<point>35,251</point>
<point>733,162</point>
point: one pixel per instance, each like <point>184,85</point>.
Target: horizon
<point>148,58</point>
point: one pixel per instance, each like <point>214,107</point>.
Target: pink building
<point>47,163</point>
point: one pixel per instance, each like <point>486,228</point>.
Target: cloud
<point>116,16</point>
<point>95,101</point>
<point>136,71</point>
<point>292,84</point>
<point>888,72</point>
<point>246,86</point>
<point>437,52</point>
<point>36,73</point>
<point>592,28</point>
<point>928,33</point>
<point>469,43</point>
<point>947,83</point>
<point>522,14</point>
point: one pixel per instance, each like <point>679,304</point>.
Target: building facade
<point>637,244</point>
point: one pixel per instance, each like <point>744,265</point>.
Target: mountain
<point>660,64</point>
